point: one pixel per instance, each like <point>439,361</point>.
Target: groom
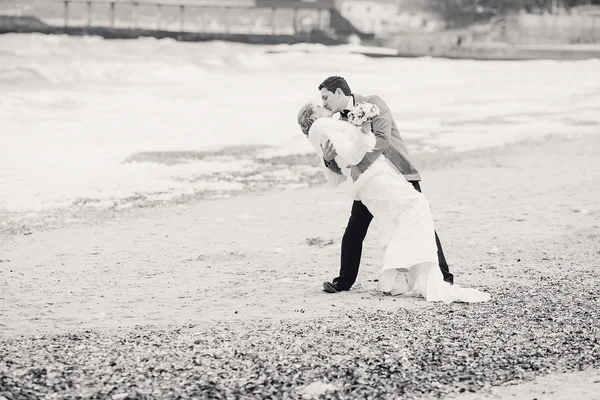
<point>338,98</point>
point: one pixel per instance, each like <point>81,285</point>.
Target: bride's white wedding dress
<point>410,263</point>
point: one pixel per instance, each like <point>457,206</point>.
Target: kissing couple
<point>364,148</point>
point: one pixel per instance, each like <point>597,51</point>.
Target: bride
<point>410,263</point>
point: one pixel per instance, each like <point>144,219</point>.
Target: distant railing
<point>180,17</point>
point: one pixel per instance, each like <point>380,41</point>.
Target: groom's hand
<point>354,172</point>
<point>328,151</point>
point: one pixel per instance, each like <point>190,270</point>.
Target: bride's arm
<point>334,178</point>
<point>350,143</point>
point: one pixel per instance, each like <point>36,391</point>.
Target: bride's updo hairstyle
<point>306,117</point>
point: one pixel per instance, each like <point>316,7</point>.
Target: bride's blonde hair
<point>306,117</point>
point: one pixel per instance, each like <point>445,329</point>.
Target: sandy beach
<point>520,220</point>
<point>502,214</point>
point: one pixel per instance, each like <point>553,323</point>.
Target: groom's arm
<point>329,158</point>
<point>382,128</point>
<point>332,165</point>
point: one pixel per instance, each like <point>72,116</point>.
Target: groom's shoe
<point>332,287</point>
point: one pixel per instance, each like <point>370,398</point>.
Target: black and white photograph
<point>299,199</point>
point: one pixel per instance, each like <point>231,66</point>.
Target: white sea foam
<point>73,110</point>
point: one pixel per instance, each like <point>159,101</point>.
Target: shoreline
<point>91,211</point>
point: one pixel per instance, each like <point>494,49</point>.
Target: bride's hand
<point>328,151</point>
<point>366,127</point>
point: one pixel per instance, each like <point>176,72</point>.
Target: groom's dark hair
<point>334,83</point>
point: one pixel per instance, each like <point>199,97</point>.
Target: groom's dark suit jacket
<point>389,142</point>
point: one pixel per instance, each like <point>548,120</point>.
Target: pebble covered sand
<point>434,351</point>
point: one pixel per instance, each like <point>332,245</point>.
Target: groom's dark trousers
<point>360,219</point>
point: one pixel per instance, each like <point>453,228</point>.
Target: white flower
<point>362,113</point>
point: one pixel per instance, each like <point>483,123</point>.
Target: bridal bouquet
<point>362,113</point>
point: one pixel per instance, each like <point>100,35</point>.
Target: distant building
<point>389,17</point>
